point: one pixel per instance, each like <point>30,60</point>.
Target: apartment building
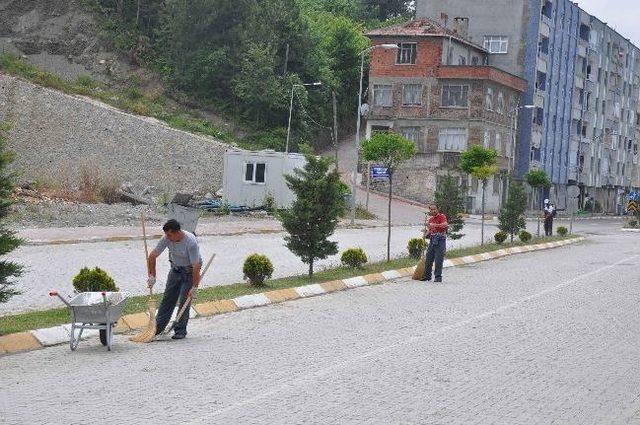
<point>583,81</point>
<point>438,90</point>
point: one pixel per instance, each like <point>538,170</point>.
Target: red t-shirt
<point>439,219</point>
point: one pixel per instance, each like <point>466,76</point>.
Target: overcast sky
<point>621,15</point>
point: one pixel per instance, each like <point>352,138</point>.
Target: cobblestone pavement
<point>539,338</point>
<point>53,267</point>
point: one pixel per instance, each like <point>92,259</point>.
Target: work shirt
<point>438,219</point>
<point>548,211</point>
<point>183,253</point>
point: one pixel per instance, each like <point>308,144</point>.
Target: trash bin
<point>179,210</point>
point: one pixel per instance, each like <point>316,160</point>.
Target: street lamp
<point>358,117</point>
<point>286,150</point>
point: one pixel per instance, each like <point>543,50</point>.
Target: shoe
<point>437,280</point>
<point>426,279</point>
<point>178,336</point>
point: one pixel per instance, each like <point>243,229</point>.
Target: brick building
<point>438,90</point>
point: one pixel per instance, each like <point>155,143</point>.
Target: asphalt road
<point>545,337</point>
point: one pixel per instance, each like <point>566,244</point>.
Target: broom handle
<point>189,298</point>
<point>146,248</point>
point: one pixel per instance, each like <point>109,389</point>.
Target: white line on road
<point>357,359</point>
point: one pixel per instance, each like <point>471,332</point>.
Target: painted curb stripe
<point>355,282</point>
<point>391,274</point>
<point>16,343</point>
<point>333,286</point>
<point>310,290</point>
<point>447,264</point>
<point>52,336</point>
<point>251,301</point>
<point>282,295</point>
<point>137,320</point>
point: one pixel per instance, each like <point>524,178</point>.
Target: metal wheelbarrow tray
<point>94,310</point>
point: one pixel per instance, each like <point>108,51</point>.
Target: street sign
<point>573,191</point>
<point>633,196</point>
<point>379,174</point>
<point>632,207</point>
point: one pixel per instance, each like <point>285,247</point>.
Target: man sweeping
<point>436,227</point>
<point>183,278</point>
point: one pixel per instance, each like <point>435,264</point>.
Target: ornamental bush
<point>525,236</point>
<point>562,231</point>
<point>93,280</point>
<point>416,247</point>
<point>354,258</point>
<point>257,268</point>
<point>500,237</point>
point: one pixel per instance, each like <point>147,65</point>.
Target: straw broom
<point>150,331</point>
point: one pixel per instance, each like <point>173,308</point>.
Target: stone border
<point>40,338</point>
<point>626,229</point>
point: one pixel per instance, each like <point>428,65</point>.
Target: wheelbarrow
<point>94,310</point>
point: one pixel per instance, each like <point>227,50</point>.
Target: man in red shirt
<point>436,228</point>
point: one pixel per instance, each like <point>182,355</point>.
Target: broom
<point>189,299</point>
<point>150,331</point>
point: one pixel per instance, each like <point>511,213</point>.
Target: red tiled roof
<point>420,28</point>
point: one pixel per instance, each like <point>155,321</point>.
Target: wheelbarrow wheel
<point>103,337</point>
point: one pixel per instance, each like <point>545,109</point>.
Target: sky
<point>621,15</point>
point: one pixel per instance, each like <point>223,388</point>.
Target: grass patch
<point>131,99</point>
<point>47,318</point>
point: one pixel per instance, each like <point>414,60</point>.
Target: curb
<point>630,230</point>
<point>40,338</point>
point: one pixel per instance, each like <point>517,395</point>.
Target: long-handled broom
<point>189,299</point>
<point>150,331</point>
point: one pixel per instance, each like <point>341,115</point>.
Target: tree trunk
<point>138,13</point>
<point>389,217</point>
<point>484,185</point>
<point>311,269</point>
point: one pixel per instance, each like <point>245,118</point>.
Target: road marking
<point>357,359</point>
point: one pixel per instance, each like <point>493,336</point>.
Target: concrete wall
<point>56,135</point>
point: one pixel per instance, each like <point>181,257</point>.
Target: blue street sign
<point>633,196</point>
<point>379,174</point>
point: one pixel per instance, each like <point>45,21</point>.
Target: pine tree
<point>8,241</point>
<point>449,198</point>
<point>313,217</point>
<point>511,219</point>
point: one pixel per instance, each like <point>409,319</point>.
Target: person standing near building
<point>549,213</point>
<point>436,227</point>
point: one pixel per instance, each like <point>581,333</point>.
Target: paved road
<point>53,267</point>
<point>546,337</point>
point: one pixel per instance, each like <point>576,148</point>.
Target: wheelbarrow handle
<point>56,294</point>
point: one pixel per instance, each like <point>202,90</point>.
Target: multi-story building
<point>583,79</point>
<point>438,90</point>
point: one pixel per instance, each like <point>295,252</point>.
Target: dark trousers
<point>179,283</point>
<point>435,253</point>
<point>548,226</point>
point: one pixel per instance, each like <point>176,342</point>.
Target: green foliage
<point>537,179</point>
<point>93,280</point>
<point>8,242</point>
<point>562,231</point>
<point>479,161</point>
<point>270,203</point>
<point>512,215</point>
<point>313,217</point>
<point>632,223</point>
<point>388,149</point>
<point>416,247</point>
<point>450,199</point>
<point>525,236</point>
<point>354,258</point>
<point>257,268</point>
<point>500,237</point>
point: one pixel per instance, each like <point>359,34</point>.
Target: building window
<point>496,185</point>
<point>406,54</point>
<point>412,94</point>
<point>496,44</point>
<point>462,60</point>
<point>500,103</point>
<point>475,61</point>
<point>411,133</point>
<point>488,99</point>
<point>254,172</point>
<point>498,143</point>
<point>452,140</point>
<point>487,139</point>
<point>382,95</point>
<point>455,96</point>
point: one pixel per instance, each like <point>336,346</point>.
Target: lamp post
<point>358,118</point>
<point>293,88</point>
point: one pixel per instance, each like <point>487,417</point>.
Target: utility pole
<point>335,125</point>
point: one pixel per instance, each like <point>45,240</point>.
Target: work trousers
<point>179,284</point>
<point>435,253</point>
<point>548,226</point>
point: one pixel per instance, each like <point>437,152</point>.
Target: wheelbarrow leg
<point>75,340</point>
<point>109,335</point>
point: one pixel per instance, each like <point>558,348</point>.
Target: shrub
<point>257,268</point>
<point>562,231</point>
<point>500,237</point>
<point>416,247</point>
<point>354,258</point>
<point>525,236</point>
<point>269,203</point>
<point>96,280</point>
<point>633,223</point>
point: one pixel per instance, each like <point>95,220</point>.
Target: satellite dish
<point>364,109</point>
